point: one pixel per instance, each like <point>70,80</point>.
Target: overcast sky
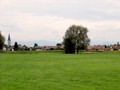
<point>47,20</point>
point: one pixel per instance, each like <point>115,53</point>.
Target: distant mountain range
<point>40,43</point>
<point>101,43</point>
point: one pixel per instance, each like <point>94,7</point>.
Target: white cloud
<point>32,20</point>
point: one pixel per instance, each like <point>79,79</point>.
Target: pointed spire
<point>9,39</point>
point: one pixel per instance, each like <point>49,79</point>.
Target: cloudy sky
<point>45,21</point>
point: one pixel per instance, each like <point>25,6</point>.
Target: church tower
<point>9,41</point>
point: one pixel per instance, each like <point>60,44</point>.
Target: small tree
<point>35,45</point>
<point>58,44</point>
<point>76,38</point>
<point>16,46</point>
<point>2,40</point>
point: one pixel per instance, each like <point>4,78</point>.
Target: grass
<point>58,71</point>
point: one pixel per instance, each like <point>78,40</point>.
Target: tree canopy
<point>35,44</point>
<point>2,40</point>
<point>16,46</point>
<point>75,38</point>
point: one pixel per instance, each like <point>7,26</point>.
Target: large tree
<point>76,38</point>
<point>2,40</point>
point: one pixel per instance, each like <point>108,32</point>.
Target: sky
<point>45,21</point>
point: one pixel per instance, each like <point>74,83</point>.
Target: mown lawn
<point>58,71</point>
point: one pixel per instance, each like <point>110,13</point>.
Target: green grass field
<point>58,71</point>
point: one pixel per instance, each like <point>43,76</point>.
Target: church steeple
<point>9,40</point>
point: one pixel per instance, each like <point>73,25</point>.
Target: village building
<point>96,47</point>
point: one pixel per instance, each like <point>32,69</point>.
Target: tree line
<point>75,38</point>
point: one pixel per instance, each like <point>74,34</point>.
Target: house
<point>96,47</point>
